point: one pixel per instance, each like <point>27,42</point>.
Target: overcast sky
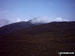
<point>18,10</point>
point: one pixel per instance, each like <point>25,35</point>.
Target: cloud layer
<point>47,19</point>
<point>4,21</point>
<point>34,20</point>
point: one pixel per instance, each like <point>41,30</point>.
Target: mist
<point>38,20</point>
<point>47,19</point>
<point>4,22</point>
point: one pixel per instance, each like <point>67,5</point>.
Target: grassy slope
<point>43,40</point>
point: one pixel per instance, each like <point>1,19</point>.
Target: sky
<point>44,10</point>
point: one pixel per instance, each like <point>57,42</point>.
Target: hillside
<point>15,27</point>
<point>42,40</point>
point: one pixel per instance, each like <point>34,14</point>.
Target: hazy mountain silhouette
<point>41,40</point>
<point>15,27</point>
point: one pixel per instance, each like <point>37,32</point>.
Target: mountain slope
<point>14,27</point>
<point>41,40</point>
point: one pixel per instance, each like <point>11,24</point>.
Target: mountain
<point>41,40</point>
<point>15,27</point>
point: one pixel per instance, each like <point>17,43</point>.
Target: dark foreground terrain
<point>41,40</point>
